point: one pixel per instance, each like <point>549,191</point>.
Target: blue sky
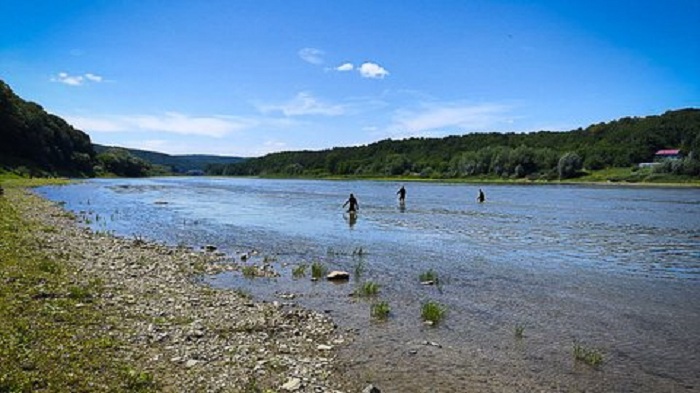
<point>245,78</point>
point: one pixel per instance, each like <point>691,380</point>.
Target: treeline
<point>538,155</point>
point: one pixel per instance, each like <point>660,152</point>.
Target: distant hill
<point>543,155</point>
<point>176,163</point>
<point>35,142</point>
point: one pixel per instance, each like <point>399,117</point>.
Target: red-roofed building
<point>672,154</point>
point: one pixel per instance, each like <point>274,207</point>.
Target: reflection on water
<point>613,268</point>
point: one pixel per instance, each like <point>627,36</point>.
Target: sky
<point>250,77</point>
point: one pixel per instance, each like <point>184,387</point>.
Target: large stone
<point>292,384</point>
<point>371,389</point>
<point>338,275</point>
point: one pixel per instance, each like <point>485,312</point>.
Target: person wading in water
<point>402,194</point>
<point>354,205</point>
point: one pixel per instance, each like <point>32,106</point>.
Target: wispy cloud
<point>171,122</point>
<point>372,70</point>
<point>311,55</point>
<point>93,77</point>
<point>450,116</point>
<point>76,80</point>
<point>304,104</point>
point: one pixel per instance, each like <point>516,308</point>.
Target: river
<point>611,269</point>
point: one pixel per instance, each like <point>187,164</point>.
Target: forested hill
<point>40,142</point>
<point>538,155</point>
<point>176,163</point>
<point>36,143</point>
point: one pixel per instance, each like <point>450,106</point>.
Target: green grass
<point>359,269</point>
<point>48,342</point>
<point>590,356</point>
<point>318,270</point>
<point>380,310</point>
<point>299,271</point>
<point>429,275</point>
<point>433,312</point>
<point>249,271</point>
<point>367,288</point>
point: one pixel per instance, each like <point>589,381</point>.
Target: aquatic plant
<point>299,271</point>
<point>380,310</point>
<point>249,271</point>
<point>359,269</point>
<point>429,276</point>
<point>433,312</point>
<point>358,252</point>
<point>368,288</point>
<point>318,270</point>
<point>269,258</point>
<point>590,356</point>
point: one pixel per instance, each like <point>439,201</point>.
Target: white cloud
<point>450,116</point>
<point>172,122</point>
<point>345,67</point>
<point>304,104</point>
<point>311,55</point>
<point>64,78</point>
<point>75,80</point>
<point>372,70</point>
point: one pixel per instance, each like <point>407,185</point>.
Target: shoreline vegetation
<point>86,311</point>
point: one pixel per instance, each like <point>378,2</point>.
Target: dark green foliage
<point>537,155</point>
<point>122,163</point>
<point>38,142</point>
<point>569,165</point>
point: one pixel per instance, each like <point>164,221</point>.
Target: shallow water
<point>611,268</point>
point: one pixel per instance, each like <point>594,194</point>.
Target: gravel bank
<point>190,337</point>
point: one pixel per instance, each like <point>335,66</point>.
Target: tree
<point>122,163</point>
<point>569,165</point>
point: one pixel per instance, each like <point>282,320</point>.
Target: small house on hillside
<point>666,154</point>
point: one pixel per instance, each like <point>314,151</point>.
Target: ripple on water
<point>613,269</point>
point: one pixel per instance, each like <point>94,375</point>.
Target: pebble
<point>218,336</point>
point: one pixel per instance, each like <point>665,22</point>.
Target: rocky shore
<point>189,337</point>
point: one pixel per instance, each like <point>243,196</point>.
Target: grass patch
<point>359,269</point>
<point>367,289</point>
<point>299,271</point>
<point>519,331</point>
<point>249,271</point>
<point>380,310</point>
<point>590,356</point>
<point>318,270</point>
<point>433,312</point>
<point>429,276</point>
<point>48,342</point>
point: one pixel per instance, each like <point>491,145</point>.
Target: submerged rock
<point>338,275</point>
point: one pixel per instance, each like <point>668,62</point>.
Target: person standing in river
<point>402,195</point>
<point>354,205</point>
<point>481,198</point>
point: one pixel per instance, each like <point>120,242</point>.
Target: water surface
<point>611,268</point>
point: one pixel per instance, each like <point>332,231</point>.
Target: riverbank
<point>91,312</point>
